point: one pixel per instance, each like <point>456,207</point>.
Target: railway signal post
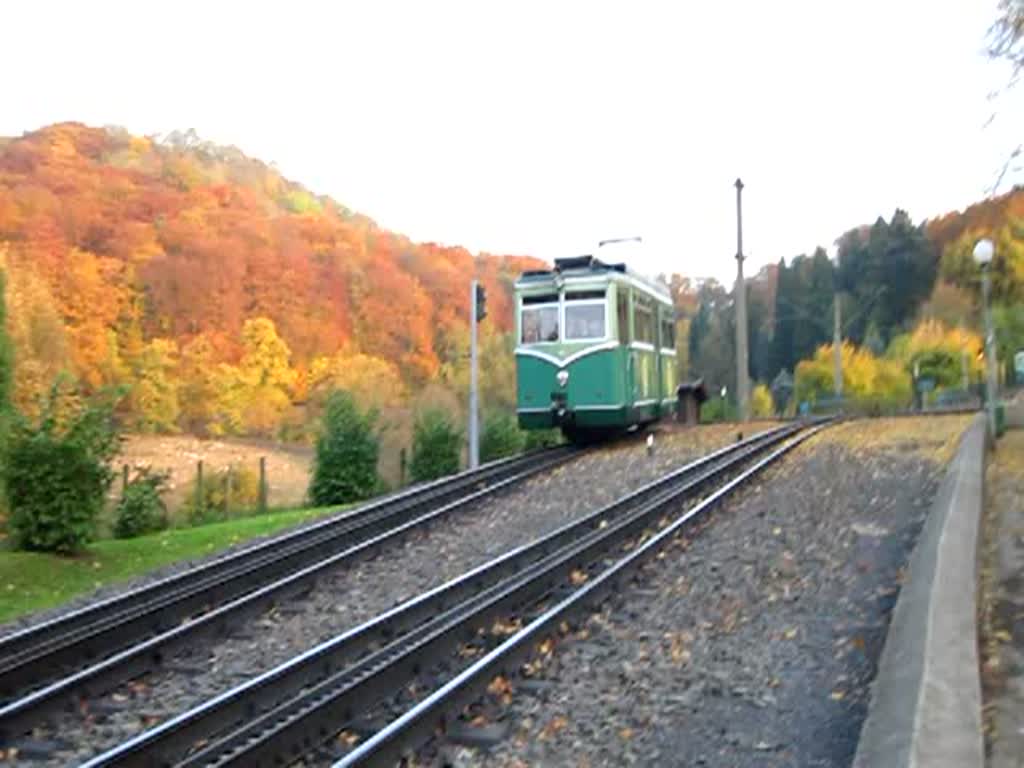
<point>477,312</point>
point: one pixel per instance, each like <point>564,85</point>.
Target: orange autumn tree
<point>37,333</point>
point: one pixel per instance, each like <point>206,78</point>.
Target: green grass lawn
<point>31,581</point>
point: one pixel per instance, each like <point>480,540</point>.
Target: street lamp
<point>983,252</point>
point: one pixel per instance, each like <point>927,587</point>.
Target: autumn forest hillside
<point>224,296</point>
<point>229,301</point>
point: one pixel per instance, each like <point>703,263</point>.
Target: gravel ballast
<point>350,596</point>
<point>753,641</point>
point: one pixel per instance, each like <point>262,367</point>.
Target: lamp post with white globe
<point>983,252</point>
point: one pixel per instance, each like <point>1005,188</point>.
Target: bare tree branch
<point>994,189</point>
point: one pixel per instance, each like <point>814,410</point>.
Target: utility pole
<point>837,348</point>
<point>742,370</point>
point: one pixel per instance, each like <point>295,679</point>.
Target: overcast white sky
<point>542,127</point>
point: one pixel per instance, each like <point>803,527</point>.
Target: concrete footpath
<point>925,706</point>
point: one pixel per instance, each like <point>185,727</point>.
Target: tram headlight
<point>563,378</point>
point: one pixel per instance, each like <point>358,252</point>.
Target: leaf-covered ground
<point>935,438</point>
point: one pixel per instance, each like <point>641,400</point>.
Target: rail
<point>139,629</point>
<point>281,712</point>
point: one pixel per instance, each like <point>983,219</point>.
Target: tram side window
<point>539,324</point>
<point>643,324</point>
<point>623,309</point>
<point>668,333</point>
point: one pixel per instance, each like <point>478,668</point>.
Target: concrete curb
<point>925,709</point>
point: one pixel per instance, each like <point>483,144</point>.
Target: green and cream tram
<point>596,348</point>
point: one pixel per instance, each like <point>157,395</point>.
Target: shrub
<point>541,438</point>
<point>761,403</point>
<point>718,409</point>
<point>141,509</point>
<point>436,444</point>
<point>58,472</point>
<point>6,385</point>
<point>501,437</point>
<point>224,492</point>
<point>347,449</point>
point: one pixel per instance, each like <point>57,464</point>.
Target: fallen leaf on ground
<point>499,685</point>
<point>505,628</point>
<point>553,728</point>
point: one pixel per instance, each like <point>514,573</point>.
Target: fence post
<point>401,467</point>
<point>227,493</point>
<point>199,487</point>
<point>263,483</point>
<point>124,480</point>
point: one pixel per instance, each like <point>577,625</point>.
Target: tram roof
<point>590,266</point>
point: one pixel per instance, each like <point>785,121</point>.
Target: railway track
<point>286,712</point>
<point>55,664</point>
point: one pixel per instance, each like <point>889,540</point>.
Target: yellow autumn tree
<point>198,396</point>
<point>372,381</point>
<point>496,367</point>
<point>940,353</point>
<point>154,391</point>
<point>761,404</point>
<point>865,377</point>
<point>254,395</point>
